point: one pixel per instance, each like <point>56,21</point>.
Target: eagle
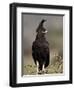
<point>40,49</point>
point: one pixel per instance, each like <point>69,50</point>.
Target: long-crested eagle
<point>40,49</point>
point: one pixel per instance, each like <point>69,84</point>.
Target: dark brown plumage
<point>40,48</point>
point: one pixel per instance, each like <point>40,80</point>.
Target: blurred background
<point>54,26</point>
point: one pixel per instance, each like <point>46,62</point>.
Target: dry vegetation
<point>55,66</point>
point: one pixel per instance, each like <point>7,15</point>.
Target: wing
<point>34,51</point>
<point>45,54</point>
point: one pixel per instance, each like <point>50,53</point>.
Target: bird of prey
<point>40,49</point>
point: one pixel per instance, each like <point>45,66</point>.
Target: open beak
<point>45,31</point>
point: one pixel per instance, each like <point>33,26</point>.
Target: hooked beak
<point>44,31</point>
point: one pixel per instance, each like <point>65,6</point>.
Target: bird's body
<point>40,51</point>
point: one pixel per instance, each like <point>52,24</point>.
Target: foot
<point>45,71</point>
<point>40,72</point>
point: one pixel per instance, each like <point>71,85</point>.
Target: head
<point>41,29</point>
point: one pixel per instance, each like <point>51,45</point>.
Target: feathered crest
<point>40,25</point>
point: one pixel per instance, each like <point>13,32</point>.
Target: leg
<point>37,67</point>
<point>43,68</point>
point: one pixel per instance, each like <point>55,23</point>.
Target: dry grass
<point>56,66</point>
